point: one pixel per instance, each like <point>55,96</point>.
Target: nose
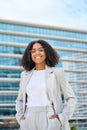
<point>37,51</point>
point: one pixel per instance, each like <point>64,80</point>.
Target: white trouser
<point>37,118</point>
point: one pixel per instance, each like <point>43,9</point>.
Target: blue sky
<point>62,13</point>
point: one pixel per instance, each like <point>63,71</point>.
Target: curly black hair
<point>52,57</point>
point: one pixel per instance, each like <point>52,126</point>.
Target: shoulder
<point>25,73</point>
<point>58,70</point>
<point>55,69</point>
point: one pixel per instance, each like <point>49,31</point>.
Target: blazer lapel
<point>25,80</point>
<point>49,71</point>
<point>49,82</point>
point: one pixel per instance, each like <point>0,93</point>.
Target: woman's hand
<point>22,117</point>
<point>54,116</point>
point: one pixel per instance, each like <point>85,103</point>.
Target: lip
<point>38,57</point>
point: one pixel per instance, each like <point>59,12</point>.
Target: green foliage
<point>73,127</point>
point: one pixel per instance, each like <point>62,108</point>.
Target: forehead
<point>37,45</point>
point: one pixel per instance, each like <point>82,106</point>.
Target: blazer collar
<point>47,68</point>
<point>28,74</point>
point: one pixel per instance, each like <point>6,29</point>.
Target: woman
<point>39,104</point>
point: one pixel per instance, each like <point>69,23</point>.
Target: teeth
<point>38,57</point>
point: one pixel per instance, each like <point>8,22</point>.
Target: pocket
<point>22,124</point>
<point>57,122</point>
<point>54,123</point>
<point>22,120</point>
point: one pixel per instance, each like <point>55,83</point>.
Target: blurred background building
<point>71,45</point>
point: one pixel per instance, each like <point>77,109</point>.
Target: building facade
<point>71,45</point>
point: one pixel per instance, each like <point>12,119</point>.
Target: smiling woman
<point>39,104</point>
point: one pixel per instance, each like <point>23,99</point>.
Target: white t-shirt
<point>36,90</point>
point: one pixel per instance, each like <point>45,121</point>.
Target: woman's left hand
<point>54,116</point>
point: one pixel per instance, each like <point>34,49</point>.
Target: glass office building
<point>71,45</point>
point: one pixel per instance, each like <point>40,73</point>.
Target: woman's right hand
<point>22,117</point>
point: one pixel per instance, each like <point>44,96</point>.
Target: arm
<point>69,97</point>
<point>19,102</point>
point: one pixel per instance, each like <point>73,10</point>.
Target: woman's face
<point>38,54</point>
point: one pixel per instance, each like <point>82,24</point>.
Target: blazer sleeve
<point>69,97</point>
<point>19,102</point>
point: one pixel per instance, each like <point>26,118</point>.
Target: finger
<point>52,116</point>
<point>23,118</point>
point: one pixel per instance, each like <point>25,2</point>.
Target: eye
<point>41,49</point>
<point>32,51</point>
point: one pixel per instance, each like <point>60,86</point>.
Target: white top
<point>36,90</point>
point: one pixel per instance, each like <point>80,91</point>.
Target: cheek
<point>44,56</point>
<point>32,57</point>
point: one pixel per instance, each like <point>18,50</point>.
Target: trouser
<point>37,118</point>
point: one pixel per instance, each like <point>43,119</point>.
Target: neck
<point>40,67</point>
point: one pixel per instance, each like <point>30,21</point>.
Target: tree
<point>73,127</point>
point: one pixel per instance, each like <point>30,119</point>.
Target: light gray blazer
<point>56,84</point>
